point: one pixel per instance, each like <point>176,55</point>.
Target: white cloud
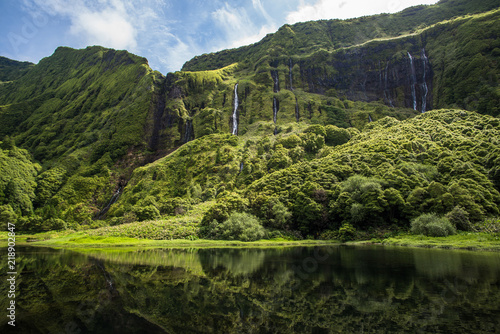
<point>344,9</point>
<point>107,28</point>
<point>104,22</point>
<point>239,28</point>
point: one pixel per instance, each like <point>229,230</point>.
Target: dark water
<point>289,290</point>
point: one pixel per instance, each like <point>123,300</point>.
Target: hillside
<point>387,174</point>
<point>368,121</point>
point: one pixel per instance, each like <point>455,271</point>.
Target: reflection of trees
<point>235,262</point>
<point>260,291</point>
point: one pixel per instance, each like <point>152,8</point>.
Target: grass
<point>84,240</point>
<point>89,239</point>
<point>462,240</point>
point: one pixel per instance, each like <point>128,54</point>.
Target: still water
<point>338,289</point>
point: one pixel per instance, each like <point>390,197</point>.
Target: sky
<point>167,32</point>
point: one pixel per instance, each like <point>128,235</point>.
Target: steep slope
<point>11,70</point>
<point>306,37</point>
<point>86,116</point>
<point>387,174</point>
<point>422,58</point>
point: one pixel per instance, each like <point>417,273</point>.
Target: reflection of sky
<point>166,32</point>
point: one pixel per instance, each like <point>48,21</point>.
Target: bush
<point>148,212</point>
<point>460,218</point>
<point>329,235</point>
<point>346,232</point>
<point>431,225</point>
<point>239,226</point>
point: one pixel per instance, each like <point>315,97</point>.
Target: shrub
<point>239,226</point>
<point>346,232</point>
<point>431,225</point>
<point>460,218</point>
<point>336,136</point>
<point>148,212</point>
<point>329,235</point>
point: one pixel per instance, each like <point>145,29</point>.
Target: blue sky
<point>166,32</point>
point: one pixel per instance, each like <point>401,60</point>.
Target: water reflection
<point>277,290</point>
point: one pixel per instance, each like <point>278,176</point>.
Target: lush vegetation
<point>94,138</point>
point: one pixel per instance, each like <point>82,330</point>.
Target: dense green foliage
<point>432,226</point>
<point>238,226</point>
<point>11,70</point>
<point>443,161</point>
<point>95,137</point>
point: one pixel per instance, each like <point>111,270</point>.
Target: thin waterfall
<point>276,89</point>
<point>425,89</point>
<point>188,133</point>
<point>386,86</point>
<point>369,118</point>
<point>275,110</point>
<point>276,81</point>
<point>112,201</point>
<point>275,114</point>
<point>297,115</point>
<point>235,111</point>
<point>290,66</point>
<point>413,82</point>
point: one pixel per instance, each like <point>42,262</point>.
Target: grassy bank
<point>88,239</point>
<point>83,239</point>
<point>464,240</point>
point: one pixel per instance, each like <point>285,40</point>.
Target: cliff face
<point>399,78</point>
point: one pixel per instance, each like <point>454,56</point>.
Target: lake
<point>333,289</point>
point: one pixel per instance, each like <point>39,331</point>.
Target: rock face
<point>397,79</point>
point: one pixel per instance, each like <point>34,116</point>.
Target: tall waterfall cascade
<point>425,89</point>
<point>235,111</point>
<point>413,81</point>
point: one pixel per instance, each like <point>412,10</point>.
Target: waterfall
<point>369,118</point>
<point>386,89</point>
<point>275,114</point>
<point>235,115</point>
<point>297,115</point>
<point>112,201</point>
<point>276,81</point>
<point>290,66</point>
<point>275,110</point>
<point>413,82</point>
<point>189,131</point>
<point>241,166</point>
<point>425,89</point>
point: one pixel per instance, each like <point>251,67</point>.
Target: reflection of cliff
<point>350,289</point>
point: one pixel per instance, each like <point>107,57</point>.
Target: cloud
<point>238,28</point>
<point>343,9</point>
<point>107,28</point>
<point>105,22</point>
